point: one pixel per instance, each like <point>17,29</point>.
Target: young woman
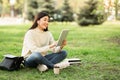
<point>38,41</point>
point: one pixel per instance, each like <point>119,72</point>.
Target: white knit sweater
<point>36,40</point>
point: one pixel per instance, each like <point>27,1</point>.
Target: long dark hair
<point>40,15</point>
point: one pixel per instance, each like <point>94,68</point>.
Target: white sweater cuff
<point>57,49</point>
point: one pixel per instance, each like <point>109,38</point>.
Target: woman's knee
<point>64,53</point>
<point>37,55</point>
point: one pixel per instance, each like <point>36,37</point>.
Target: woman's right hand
<point>53,45</point>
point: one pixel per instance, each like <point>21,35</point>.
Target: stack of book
<point>73,61</point>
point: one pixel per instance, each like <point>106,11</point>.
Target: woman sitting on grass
<point>38,41</point>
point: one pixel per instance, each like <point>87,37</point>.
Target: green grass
<point>98,47</point>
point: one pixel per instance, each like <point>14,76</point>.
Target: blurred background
<point>83,12</point>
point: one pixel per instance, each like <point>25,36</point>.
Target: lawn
<point>97,46</point>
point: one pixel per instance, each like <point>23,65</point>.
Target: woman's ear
<point>38,21</point>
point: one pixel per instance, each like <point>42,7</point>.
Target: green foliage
<point>63,14</point>
<point>47,6</point>
<point>67,13</point>
<point>5,7</point>
<point>57,16</point>
<point>117,9</point>
<point>0,1</point>
<point>32,9</point>
<point>18,7</point>
<point>90,14</point>
<point>0,9</point>
<point>40,5</point>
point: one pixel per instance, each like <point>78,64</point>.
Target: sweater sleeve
<point>31,45</point>
<point>56,48</point>
<point>51,39</point>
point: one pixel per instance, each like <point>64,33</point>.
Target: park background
<point>94,36</point>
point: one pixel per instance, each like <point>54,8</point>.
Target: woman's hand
<point>53,45</point>
<point>63,44</point>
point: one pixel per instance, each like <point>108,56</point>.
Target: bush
<point>90,15</point>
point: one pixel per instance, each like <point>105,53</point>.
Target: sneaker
<point>63,64</point>
<point>42,67</point>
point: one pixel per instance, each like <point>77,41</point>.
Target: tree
<point>35,6</point>
<point>66,11</point>
<point>18,7</point>
<point>47,6</point>
<point>32,9</point>
<point>0,7</point>
<point>5,7</point>
<point>24,14</point>
<point>90,15</point>
<point>117,8</point>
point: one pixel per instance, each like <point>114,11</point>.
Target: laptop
<point>62,36</point>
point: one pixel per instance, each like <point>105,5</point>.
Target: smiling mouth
<point>46,25</point>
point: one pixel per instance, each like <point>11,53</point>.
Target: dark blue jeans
<point>49,60</point>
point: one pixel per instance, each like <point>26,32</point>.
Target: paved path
<point>10,21</point>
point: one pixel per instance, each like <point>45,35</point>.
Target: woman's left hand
<point>63,44</point>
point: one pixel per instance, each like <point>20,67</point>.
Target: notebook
<point>62,36</point>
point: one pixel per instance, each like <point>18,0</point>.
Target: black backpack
<point>11,63</point>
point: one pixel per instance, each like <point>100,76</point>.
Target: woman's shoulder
<point>49,32</point>
<point>29,32</point>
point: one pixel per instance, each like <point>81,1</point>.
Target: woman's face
<point>43,22</point>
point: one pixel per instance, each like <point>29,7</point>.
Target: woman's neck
<point>40,28</point>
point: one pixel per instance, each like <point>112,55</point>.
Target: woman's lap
<point>50,59</point>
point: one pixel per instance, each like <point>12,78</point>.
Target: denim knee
<point>37,56</point>
<point>64,53</point>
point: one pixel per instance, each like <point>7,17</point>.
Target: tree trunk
<point>116,9</point>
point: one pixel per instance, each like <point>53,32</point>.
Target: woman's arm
<point>55,48</point>
<point>32,46</point>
